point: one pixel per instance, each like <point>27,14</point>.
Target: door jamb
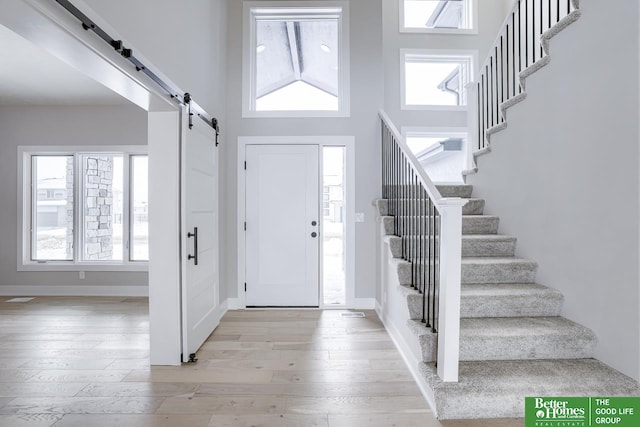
<point>321,141</point>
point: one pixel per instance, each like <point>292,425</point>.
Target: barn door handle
<point>195,246</point>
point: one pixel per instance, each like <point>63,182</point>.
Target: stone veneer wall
<point>98,209</point>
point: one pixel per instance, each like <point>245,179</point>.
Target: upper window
<point>434,80</point>
<point>295,60</point>
<point>84,208</point>
<point>437,16</point>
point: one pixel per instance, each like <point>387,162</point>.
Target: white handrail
<point>450,241</point>
<point>431,188</point>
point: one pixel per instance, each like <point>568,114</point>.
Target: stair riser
<point>526,348</point>
<point>488,247</point>
<point>470,225</point>
<point>470,247</point>
<point>472,207</point>
<point>507,306</point>
<point>479,225</point>
<point>463,191</point>
<point>511,306</point>
<point>521,272</point>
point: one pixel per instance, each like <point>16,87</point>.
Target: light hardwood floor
<point>83,361</point>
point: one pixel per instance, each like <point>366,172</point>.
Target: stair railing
<point>520,49</point>
<point>431,230</point>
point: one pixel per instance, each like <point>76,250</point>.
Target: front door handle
<point>195,246</point>
<point>314,234</point>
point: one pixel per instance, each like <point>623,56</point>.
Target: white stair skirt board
<point>67,290</point>
<point>512,338</point>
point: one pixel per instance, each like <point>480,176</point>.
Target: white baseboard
<point>67,290</point>
<point>358,304</point>
<point>364,303</point>
<point>233,304</point>
<point>409,359</point>
<point>220,311</point>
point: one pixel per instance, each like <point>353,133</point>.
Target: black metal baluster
<point>402,206</point>
<point>533,32</point>
<point>479,107</point>
<point>526,34</point>
<point>513,51</point>
<point>507,59</point>
<point>501,75</point>
<point>496,105</point>
<point>541,29</point>
<point>412,231</point>
<point>491,91</point>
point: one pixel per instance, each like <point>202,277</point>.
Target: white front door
<point>199,235</point>
<point>282,226</point>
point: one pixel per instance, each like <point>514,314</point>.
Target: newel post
<point>449,300</point>
<point>473,125</point>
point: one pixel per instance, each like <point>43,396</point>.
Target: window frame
<point>26,207</point>
<point>472,18</point>
<point>285,9</point>
<point>437,55</point>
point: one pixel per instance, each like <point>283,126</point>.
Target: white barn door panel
<point>200,269</point>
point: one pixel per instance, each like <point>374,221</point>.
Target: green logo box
<point>582,411</point>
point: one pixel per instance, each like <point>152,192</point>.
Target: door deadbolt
<point>314,223</point>
<point>314,234</point>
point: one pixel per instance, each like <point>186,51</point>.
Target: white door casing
<point>282,225</point>
<point>200,269</point>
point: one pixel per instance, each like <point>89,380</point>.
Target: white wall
<point>55,125</point>
<point>366,99</point>
<point>563,177</point>
<point>491,14</point>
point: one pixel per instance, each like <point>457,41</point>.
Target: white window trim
<point>435,55</point>
<point>472,17</point>
<point>249,49</point>
<point>24,205</point>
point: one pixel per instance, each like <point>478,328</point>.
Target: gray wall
<point>563,177</point>
<point>54,125</point>
<point>366,99</point>
<point>187,42</point>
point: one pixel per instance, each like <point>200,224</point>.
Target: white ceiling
<point>31,76</point>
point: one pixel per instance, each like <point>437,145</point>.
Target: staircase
<point>513,341</point>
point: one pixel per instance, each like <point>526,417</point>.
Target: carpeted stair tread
<point>501,386</point>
